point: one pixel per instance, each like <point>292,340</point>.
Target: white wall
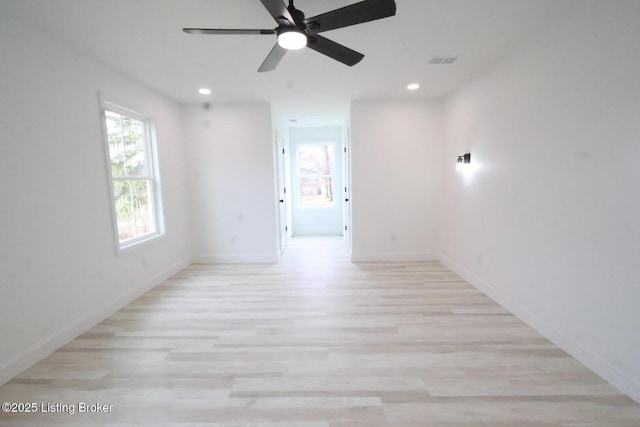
<point>548,224</point>
<point>395,171</point>
<point>233,199</point>
<point>59,270</point>
<point>316,221</point>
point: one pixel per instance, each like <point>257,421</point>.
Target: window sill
<point>141,241</point>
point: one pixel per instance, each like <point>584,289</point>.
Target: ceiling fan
<point>294,31</point>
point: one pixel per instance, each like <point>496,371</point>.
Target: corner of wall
<point>66,335</point>
<point>625,384</point>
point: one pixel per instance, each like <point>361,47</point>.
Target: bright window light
<point>133,168</point>
<point>316,166</point>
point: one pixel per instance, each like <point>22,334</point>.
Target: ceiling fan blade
<point>365,11</point>
<point>278,9</point>
<point>334,50</point>
<point>225,31</point>
<point>273,59</point>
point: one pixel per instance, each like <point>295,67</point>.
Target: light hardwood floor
<point>317,341</point>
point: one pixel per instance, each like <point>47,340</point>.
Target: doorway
<point>316,182</point>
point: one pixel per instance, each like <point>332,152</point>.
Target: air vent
<point>443,60</point>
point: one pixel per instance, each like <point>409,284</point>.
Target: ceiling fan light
<point>292,39</point>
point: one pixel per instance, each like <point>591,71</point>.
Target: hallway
<point>310,247</point>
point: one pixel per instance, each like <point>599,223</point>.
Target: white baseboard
<point>623,382</point>
<point>393,257</point>
<point>236,259</point>
<point>59,339</point>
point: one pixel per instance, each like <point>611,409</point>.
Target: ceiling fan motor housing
<point>291,37</point>
<point>298,17</point>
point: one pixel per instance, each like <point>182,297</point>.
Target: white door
<point>282,192</point>
<point>346,171</point>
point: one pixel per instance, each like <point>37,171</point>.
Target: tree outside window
<point>316,165</point>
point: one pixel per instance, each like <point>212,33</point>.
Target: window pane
<point>315,160</point>
<point>114,136</point>
<point>315,169</point>
<point>134,208</point>
<point>127,145</point>
<point>134,146</point>
<point>316,191</point>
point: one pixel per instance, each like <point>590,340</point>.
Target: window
<point>133,177</point>
<point>316,168</point>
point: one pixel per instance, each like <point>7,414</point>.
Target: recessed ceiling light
<point>413,86</point>
<point>204,91</point>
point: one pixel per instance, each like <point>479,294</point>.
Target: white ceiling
<point>144,39</point>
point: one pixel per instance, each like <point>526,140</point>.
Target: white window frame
<point>152,176</point>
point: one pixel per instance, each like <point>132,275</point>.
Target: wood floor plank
<point>316,341</point>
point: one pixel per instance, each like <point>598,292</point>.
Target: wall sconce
<point>463,161</point>
<point>465,158</point>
